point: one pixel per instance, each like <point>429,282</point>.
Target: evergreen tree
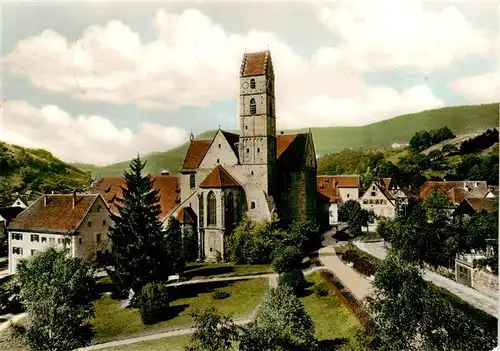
<point>139,250</point>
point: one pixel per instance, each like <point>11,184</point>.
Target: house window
<point>33,252</point>
<point>253,107</point>
<point>217,160</point>
<point>374,193</point>
<point>17,236</point>
<point>211,209</point>
<point>252,205</point>
<point>258,149</point>
<point>90,224</point>
<point>98,208</point>
<point>365,202</point>
<point>252,83</point>
<point>17,250</point>
<point>80,241</point>
<point>347,195</point>
<point>219,146</point>
<point>35,237</point>
<point>98,238</point>
<point>59,240</point>
<point>373,187</point>
<point>52,240</point>
<point>192,182</point>
<point>44,239</point>
<point>104,222</point>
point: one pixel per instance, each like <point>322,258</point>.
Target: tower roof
<point>255,63</point>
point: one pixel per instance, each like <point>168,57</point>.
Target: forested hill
<point>34,171</point>
<point>460,119</point>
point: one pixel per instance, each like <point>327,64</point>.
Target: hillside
<point>23,169</point>
<point>460,119</point>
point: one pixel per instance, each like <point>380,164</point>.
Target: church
<point>256,173</point>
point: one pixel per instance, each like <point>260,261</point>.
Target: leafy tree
<point>213,332</point>
<point>302,234</point>
<point>356,217</point>
<point>174,243</point>
<point>293,278</point>
<point>57,293</point>
<point>281,324</point>
<point>286,259</point>
<point>189,244</point>
<point>411,316</point>
<point>139,249</point>
<point>436,204</point>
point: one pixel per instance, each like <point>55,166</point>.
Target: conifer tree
<point>175,245</point>
<point>139,249</point>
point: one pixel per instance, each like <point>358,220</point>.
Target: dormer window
<point>253,107</point>
<point>252,83</point>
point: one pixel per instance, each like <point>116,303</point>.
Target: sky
<point>97,82</point>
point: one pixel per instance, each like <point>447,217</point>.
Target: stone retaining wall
<point>485,282</point>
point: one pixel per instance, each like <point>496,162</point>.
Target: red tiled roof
<point>343,181</point>
<point>326,187</point>
<point>219,178</point>
<point>54,214</point>
<point>454,190</point>
<point>482,204</point>
<point>111,189</point>
<point>195,153</point>
<point>186,215</point>
<point>283,141</point>
<point>255,63</point>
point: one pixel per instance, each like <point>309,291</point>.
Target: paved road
<point>473,297</point>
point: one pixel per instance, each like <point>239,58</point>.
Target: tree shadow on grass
<point>332,344</point>
<point>192,290</point>
<point>174,311</point>
<point>208,271</point>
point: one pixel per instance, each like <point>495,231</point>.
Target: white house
<point>338,189</point>
<point>19,203</point>
<point>79,222</point>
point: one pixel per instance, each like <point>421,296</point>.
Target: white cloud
<point>478,89</point>
<point>194,61</point>
<point>88,139</point>
<point>386,34</point>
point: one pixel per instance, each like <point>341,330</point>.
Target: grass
<point>204,269</point>
<point>459,119</point>
<point>332,320</point>
<point>174,343</point>
<point>111,321</point>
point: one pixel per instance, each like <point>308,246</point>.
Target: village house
<point>7,214</point>
<point>79,222</point>
<point>110,188</point>
<point>456,191</point>
<point>256,173</point>
<point>470,206</point>
<point>19,203</point>
<point>337,189</point>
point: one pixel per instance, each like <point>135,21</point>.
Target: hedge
<point>363,262</point>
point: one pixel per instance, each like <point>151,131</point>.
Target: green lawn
<point>174,343</point>
<point>332,320</point>
<point>204,269</point>
<point>111,321</point>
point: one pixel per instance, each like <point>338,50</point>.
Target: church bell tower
<point>257,146</point>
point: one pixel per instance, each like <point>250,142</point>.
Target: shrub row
<point>363,262</point>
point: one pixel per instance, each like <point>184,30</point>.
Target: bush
<point>286,259</point>
<point>153,302</point>
<point>220,295</point>
<point>294,279</point>
<point>321,289</point>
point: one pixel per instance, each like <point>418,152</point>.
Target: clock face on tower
<point>244,85</point>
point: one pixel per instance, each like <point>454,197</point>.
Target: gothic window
<point>230,210</point>
<point>253,107</point>
<point>252,83</point>
<point>211,209</point>
<point>201,208</point>
<point>252,205</point>
<point>192,183</point>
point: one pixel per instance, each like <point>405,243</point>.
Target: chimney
<point>74,198</point>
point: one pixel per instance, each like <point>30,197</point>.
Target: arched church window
<point>211,209</point>
<point>252,83</point>
<point>230,210</point>
<point>253,107</point>
<point>252,205</point>
<point>192,182</point>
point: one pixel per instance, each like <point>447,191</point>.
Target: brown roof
<point>387,183</point>
<point>326,187</point>
<point>219,178</point>
<point>283,141</point>
<point>195,153</point>
<point>186,215</point>
<point>255,63</point>
<point>481,204</point>
<point>54,214</point>
<point>454,190</point>
<point>342,181</point>
<point>111,189</point>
